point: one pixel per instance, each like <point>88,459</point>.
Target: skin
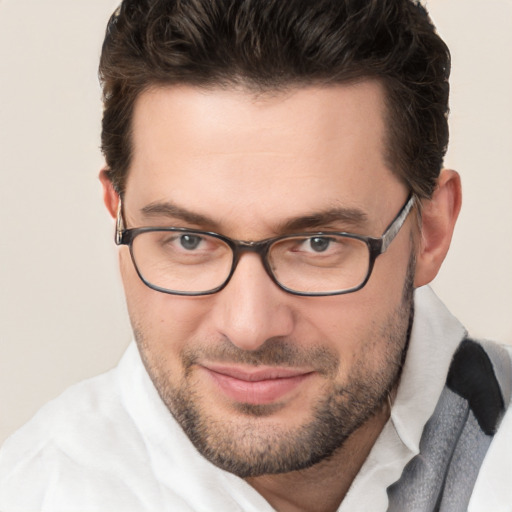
<point>244,166</point>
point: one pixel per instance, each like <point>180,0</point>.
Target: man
<point>274,169</point>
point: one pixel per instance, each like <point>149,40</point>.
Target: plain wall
<point>62,314</point>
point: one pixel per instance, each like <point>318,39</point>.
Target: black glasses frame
<point>376,247</point>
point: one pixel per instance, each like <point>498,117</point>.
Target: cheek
<point>160,318</point>
<point>357,326</point>
<point>340,323</point>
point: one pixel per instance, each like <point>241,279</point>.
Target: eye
<point>319,243</point>
<point>184,243</point>
<point>323,246</point>
<point>190,242</point>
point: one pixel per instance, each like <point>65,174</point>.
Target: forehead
<point>229,152</point>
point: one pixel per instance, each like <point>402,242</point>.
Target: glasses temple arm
<point>119,224</point>
<point>395,226</point>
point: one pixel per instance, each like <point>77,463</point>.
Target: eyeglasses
<point>191,262</point>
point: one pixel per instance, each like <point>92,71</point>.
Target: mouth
<point>256,385</point>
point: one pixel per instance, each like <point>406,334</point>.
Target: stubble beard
<point>251,444</point>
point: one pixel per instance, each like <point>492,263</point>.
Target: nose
<point>251,308</point>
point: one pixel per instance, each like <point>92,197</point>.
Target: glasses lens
<point>320,264</point>
<point>181,261</point>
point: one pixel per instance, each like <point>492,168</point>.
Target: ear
<point>110,196</point>
<point>439,215</point>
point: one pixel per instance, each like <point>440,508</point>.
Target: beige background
<point>62,315</point>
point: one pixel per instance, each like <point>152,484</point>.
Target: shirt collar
<point>435,336</point>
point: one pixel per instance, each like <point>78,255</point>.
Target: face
<point>263,381</point>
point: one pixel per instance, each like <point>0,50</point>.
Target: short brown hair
<point>270,45</point>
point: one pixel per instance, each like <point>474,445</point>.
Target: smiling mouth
<point>256,385</point>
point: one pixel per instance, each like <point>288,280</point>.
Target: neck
<point>322,487</point>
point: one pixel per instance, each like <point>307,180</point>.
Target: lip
<point>262,385</point>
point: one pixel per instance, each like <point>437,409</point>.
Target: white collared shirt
<point>110,444</point>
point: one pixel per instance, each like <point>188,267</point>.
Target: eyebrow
<point>170,210</point>
<point>348,218</point>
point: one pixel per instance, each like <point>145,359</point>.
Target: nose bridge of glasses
<point>257,247</point>
<point>244,246</point>
<point>241,246</point>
